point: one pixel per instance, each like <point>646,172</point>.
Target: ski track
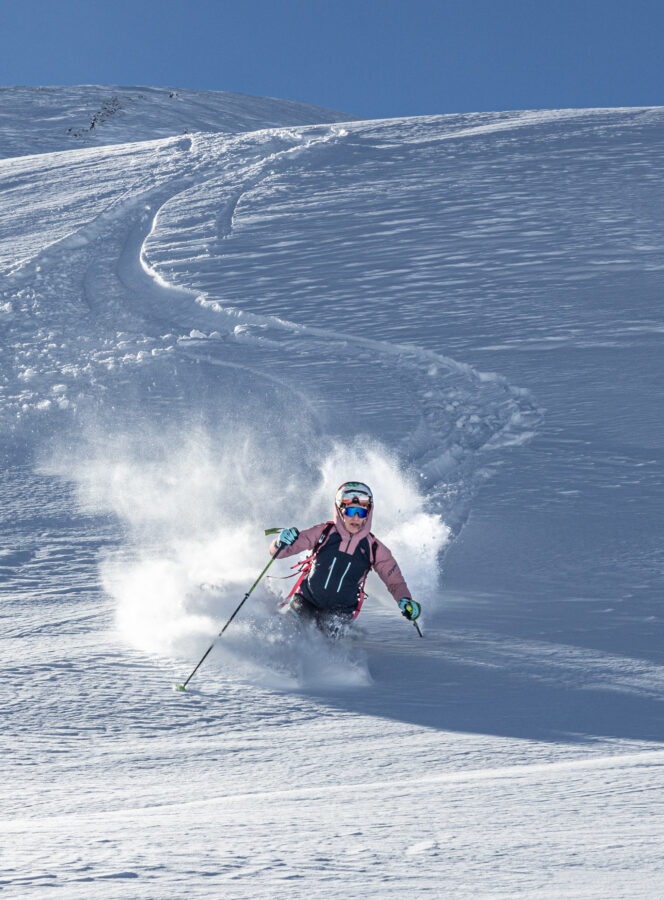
<point>476,408</point>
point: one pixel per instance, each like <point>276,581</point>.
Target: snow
<point>48,119</point>
<point>203,334</point>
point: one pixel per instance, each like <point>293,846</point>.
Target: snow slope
<point>48,119</point>
<point>203,334</point>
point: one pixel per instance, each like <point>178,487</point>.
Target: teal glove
<point>409,608</point>
<point>286,537</point>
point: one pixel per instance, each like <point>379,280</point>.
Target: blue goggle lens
<point>355,511</point>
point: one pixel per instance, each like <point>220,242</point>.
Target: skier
<point>330,590</point>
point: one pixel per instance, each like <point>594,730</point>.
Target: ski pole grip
<point>275,531</point>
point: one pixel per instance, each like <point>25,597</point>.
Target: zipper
<point>329,574</point>
<point>342,577</point>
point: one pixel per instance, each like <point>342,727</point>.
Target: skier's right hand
<point>286,537</point>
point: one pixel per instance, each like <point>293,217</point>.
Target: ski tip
<point>179,687</point>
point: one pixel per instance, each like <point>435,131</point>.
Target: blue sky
<point>369,57</point>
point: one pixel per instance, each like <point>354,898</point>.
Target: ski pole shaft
<point>418,628</point>
<point>183,686</point>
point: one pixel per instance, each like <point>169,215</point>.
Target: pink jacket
<point>385,564</point>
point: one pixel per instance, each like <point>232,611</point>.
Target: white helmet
<point>353,492</point>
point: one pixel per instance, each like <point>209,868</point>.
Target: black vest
<point>333,584</point>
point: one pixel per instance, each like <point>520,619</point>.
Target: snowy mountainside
<point>202,336</point>
<point>47,119</point>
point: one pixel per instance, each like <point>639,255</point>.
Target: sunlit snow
<point>214,309</point>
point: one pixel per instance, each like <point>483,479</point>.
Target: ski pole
<point>183,686</point>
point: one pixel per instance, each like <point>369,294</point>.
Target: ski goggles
<point>351,511</point>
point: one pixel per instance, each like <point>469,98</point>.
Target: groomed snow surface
<point>211,317</point>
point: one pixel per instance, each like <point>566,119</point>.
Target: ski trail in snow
<point>479,411</point>
<point>457,411</point>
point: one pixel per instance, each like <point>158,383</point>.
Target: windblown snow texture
<point>214,310</point>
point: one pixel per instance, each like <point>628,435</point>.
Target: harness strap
<point>305,565</point>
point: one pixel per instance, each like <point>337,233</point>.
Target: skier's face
<point>353,523</point>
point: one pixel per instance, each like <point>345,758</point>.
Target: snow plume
<point>194,504</point>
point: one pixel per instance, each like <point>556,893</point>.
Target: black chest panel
<point>335,577</point>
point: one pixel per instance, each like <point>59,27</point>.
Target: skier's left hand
<point>410,608</point>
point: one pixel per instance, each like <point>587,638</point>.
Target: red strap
<point>359,603</point>
<point>306,564</point>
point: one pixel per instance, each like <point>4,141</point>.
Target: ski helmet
<point>353,492</point>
